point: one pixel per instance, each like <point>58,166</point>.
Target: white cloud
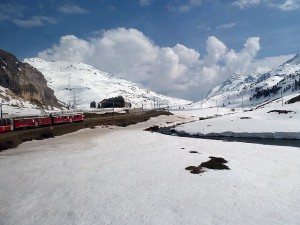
<point>178,71</point>
<point>226,26</point>
<point>288,5</point>
<point>11,11</point>
<point>284,5</point>
<point>215,51</point>
<point>186,7</point>
<point>246,3</point>
<point>72,9</point>
<point>268,63</point>
<point>145,2</point>
<point>14,13</point>
<point>35,21</point>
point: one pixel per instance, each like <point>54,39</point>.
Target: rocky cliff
<point>25,81</point>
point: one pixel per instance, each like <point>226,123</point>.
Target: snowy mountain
<point>79,84</point>
<point>256,88</point>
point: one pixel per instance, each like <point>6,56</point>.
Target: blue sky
<point>190,45</point>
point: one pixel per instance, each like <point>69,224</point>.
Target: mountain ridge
<point>84,83</point>
<point>255,88</point>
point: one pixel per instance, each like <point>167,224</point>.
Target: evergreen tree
<point>93,104</point>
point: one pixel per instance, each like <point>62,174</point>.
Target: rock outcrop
<point>25,81</point>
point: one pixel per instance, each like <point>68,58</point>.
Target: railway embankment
<point>15,138</point>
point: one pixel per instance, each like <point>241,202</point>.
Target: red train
<point>38,121</point>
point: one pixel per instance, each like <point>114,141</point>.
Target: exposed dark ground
<point>215,163</point>
<point>15,138</point>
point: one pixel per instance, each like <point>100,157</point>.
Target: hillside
<point>255,88</point>
<point>79,84</point>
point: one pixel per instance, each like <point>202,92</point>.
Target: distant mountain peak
<point>295,60</point>
<point>256,88</point>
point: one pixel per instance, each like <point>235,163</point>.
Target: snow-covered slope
<point>255,88</point>
<point>13,105</point>
<point>83,83</point>
<point>272,120</point>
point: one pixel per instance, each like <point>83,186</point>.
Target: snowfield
<point>269,121</point>
<point>115,175</point>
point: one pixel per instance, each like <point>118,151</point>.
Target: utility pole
<point>1,109</point>
<point>75,100</point>
<point>281,98</point>
<point>243,104</point>
<point>69,89</point>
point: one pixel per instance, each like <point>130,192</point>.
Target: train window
<point>0,122</point>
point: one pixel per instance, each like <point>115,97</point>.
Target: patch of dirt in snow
<point>152,129</point>
<point>194,152</point>
<point>215,163</point>
<point>282,111</point>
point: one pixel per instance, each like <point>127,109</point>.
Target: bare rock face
<point>25,81</point>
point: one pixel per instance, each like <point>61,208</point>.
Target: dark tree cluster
<point>93,104</point>
<point>265,92</point>
<point>117,102</point>
<point>297,85</point>
<point>287,88</point>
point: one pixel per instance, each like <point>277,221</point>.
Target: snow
<point>89,84</point>
<point>13,105</point>
<point>116,175</point>
<point>238,90</point>
<point>259,123</point>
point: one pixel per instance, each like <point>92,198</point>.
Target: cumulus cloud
<point>266,64</point>
<point>178,71</point>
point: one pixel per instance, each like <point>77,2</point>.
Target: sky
<point>178,48</point>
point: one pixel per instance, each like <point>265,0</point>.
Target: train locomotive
<point>17,123</point>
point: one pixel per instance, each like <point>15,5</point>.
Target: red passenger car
<point>38,121</point>
<point>21,123</point>
<point>77,117</point>
<point>6,125</point>
<point>58,119</point>
<point>27,122</point>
